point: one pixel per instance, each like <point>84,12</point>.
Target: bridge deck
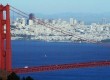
<point>61,66</point>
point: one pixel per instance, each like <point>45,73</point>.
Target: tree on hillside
<point>0,78</point>
<point>13,76</point>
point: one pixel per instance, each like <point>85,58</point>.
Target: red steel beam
<point>60,67</point>
<point>0,36</point>
<point>2,50</point>
<point>8,40</point>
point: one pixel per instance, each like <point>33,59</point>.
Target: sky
<point>60,6</point>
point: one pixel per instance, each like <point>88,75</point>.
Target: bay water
<point>40,53</point>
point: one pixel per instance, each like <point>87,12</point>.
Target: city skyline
<point>60,6</point>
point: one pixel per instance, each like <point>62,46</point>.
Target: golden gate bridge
<point>6,53</point>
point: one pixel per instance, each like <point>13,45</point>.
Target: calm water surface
<point>36,53</point>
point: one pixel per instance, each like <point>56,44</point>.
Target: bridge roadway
<point>60,67</point>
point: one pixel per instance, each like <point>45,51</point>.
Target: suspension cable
<point>19,13</point>
<point>19,10</point>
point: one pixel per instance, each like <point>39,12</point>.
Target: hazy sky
<point>60,6</point>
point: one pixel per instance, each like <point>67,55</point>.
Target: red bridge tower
<point>5,39</point>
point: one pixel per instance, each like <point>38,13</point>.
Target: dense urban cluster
<point>58,30</point>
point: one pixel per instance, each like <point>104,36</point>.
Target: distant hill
<point>86,17</point>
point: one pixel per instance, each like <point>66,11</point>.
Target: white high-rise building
<point>53,21</point>
<point>73,21</point>
<point>30,22</point>
<point>23,22</point>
